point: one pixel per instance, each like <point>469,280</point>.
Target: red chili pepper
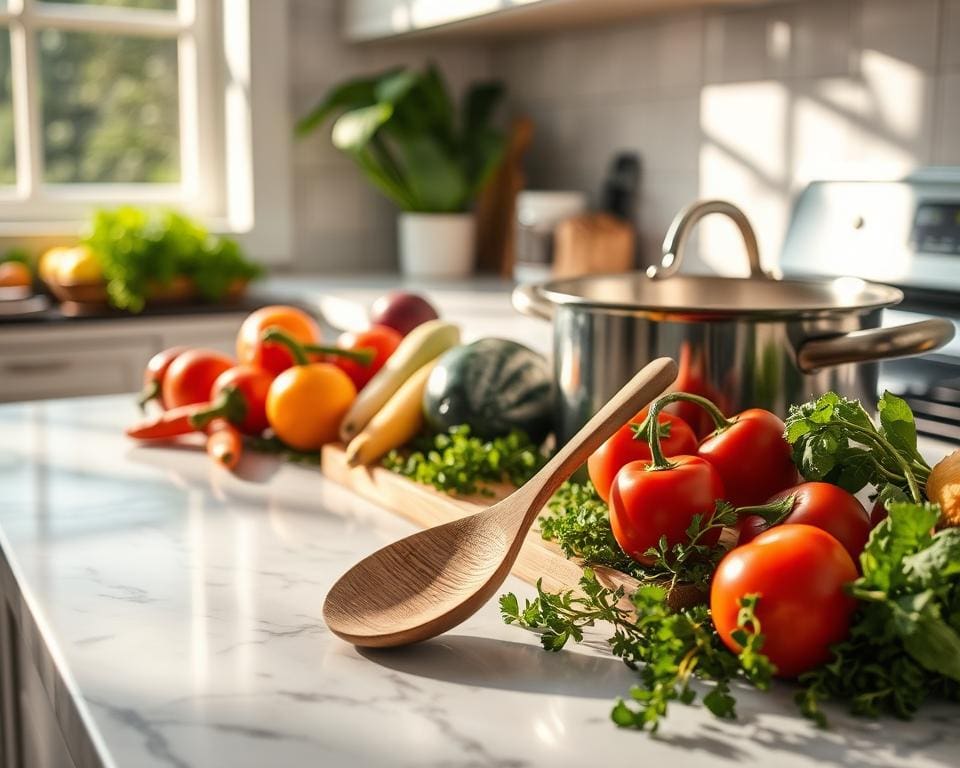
<point>167,425</point>
<point>224,445</point>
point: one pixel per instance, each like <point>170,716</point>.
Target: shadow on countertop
<point>501,664</point>
<point>766,721</point>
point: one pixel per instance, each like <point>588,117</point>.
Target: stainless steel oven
<point>904,233</point>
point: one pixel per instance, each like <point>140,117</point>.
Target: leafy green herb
<point>458,462</point>
<point>904,644</point>
<point>903,647</point>
<point>139,249</point>
<point>668,650</point>
<point>693,561</point>
<point>835,440</point>
<point>579,522</point>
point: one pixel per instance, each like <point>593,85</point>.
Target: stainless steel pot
<point>745,342</point>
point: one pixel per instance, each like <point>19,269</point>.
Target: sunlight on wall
<point>763,141</point>
<point>743,159</point>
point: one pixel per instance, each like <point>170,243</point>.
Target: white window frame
<point>234,122</point>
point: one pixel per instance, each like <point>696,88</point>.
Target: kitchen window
<point>105,102</point>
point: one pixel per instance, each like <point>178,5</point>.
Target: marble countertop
<point>173,612</point>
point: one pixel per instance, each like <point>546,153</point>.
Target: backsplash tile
<point>747,104</point>
<point>772,97</point>
<point>904,31</point>
<point>946,145</point>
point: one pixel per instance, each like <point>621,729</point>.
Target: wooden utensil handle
<point>651,381</point>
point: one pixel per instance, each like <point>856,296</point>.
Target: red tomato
<point>624,446</point>
<point>272,356</point>
<point>799,572</point>
<point>154,373</point>
<point>646,504</point>
<point>751,456</point>
<point>749,527</point>
<point>380,338</point>
<point>822,505</point>
<point>252,385</point>
<point>191,375</point>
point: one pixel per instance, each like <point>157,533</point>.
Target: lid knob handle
<point>676,238</point>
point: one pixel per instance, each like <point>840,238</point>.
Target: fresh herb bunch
<point>579,522</point>
<point>458,462</point>
<point>904,644</point>
<point>835,440</point>
<point>667,649</point>
<point>903,647</point>
<point>138,248</point>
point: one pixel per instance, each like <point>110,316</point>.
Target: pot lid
<point>704,296</point>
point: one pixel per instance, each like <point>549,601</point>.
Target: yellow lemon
<point>79,265</point>
<point>49,262</point>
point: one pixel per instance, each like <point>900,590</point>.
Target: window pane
<point>110,110</point>
<point>7,167</point>
<point>162,5</point>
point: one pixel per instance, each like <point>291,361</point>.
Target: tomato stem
<point>364,355</point>
<point>279,336</point>
<point>652,422</point>
<point>229,405</point>
<point>149,392</point>
<point>720,422</point>
<point>657,459</point>
<point>774,512</point>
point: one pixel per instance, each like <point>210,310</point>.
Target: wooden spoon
<point>427,583</point>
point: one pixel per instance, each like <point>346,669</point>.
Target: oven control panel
<point>905,233</point>
<point>936,228</point>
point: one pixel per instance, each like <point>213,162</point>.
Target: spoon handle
<point>651,381</point>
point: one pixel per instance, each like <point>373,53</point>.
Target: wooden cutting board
<point>427,507</point>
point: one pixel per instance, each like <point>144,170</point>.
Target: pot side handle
<point>527,300</point>
<point>875,344</point>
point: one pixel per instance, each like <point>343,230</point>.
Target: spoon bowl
<point>431,581</point>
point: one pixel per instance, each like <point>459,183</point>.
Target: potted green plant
<point>404,132</point>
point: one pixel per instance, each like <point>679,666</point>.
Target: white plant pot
<point>436,244</point>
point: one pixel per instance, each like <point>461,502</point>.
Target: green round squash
<point>492,385</point>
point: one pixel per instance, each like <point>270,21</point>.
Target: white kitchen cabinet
<point>380,19</point>
<point>66,358</point>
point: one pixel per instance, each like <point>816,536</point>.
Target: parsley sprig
<point>668,650</point>
<point>458,462</point>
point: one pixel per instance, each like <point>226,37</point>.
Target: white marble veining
<point>180,614</point>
